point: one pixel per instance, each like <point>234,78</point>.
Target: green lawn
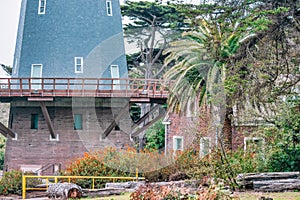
<point>243,196</point>
<point>275,196</point>
<point>115,197</point>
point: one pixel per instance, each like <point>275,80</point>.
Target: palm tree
<point>202,60</point>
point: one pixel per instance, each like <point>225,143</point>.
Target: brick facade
<point>194,128</point>
<point>190,128</point>
<point>34,146</point>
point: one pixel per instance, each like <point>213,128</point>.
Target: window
<point>205,146</point>
<point>36,72</point>
<point>109,8</point>
<point>78,64</point>
<point>177,143</point>
<point>114,69</point>
<point>255,145</point>
<point>77,122</point>
<point>42,7</point>
<point>34,121</point>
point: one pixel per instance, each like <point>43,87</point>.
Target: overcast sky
<point>9,18</point>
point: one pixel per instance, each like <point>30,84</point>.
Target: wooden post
<point>48,120</point>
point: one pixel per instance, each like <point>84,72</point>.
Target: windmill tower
<point>65,49</point>
<point>70,39</point>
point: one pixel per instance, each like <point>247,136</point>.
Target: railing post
<point>93,184</point>
<point>47,183</point>
<point>137,174</point>
<point>54,87</point>
<point>21,86</point>
<point>23,187</point>
<point>29,84</point>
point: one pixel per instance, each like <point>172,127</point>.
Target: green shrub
<point>2,150</point>
<point>216,166</point>
<point>153,165</point>
<point>181,163</point>
<point>284,142</point>
<point>155,136</point>
<point>1,159</point>
<point>11,183</point>
<point>285,160</point>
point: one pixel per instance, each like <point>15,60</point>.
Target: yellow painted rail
<point>69,178</point>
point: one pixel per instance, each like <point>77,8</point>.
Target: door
<point>36,72</point>
<point>115,74</point>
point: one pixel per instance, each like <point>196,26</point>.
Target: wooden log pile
<point>270,182</point>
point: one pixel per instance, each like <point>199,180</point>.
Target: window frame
<point>36,83</point>
<point>80,64</point>
<point>116,83</point>
<point>41,71</point>
<point>202,146</point>
<point>109,8</point>
<point>81,122</point>
<point>175,139</point>
<point>34,121</point>
<point>253,139</point>
<point>40,11</point>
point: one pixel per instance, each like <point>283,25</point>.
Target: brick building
<point>199,131</point>
<point>63,46</point>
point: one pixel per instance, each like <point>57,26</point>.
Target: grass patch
<point>114,197</point>
<point>275,196</point>
<point>242,195</point>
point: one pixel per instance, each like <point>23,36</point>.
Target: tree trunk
<point>227,129</point>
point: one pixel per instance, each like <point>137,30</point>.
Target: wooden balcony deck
<point>83,87</point>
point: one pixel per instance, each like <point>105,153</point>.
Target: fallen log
<point>103,192</point>
<point>64,191</point>
<point>253,180</point>
<point>268,176</point>
<point>277,185</point>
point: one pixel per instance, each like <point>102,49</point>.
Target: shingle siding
<point>68,29</point>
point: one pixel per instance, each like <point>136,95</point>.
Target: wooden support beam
<point>40,99</point>
<point>6,131</point>
<point>48,120</point>
<point>143,118</point>
<point>149,124</point>
<point>114,122</point>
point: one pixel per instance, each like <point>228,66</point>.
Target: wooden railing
<point>83,87</point>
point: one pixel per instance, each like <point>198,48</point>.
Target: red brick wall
<point>239,133</point>
<point>192,129</point>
